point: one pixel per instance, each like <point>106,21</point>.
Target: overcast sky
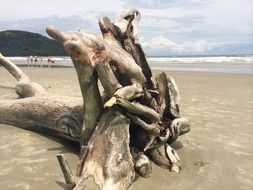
<point>167,27</point>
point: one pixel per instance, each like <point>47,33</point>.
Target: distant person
<point>41,60</point>
<point>31,60</point>
<point>35,61</point>
<point>28,61</point>
<point>49,62</point>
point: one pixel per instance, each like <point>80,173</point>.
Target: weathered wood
<point>56,115</point>
<point>161,83</point>
<point>82,156</point>
<point>39,111</point>
<point>165,157</point>
<point>56,34</point>
<point>128,22</point>
<point>67,173</point>
<point>142,164</point>
<point>24,87</point>
<point>109,160</point>
<point>128,73</point>
<point>139,109</point>
<point>177,128</point>
<point>169,97</point>
<point>108,79</point>
<point>173,105</point>
<point>137,115</point>
<point>153,129</point>
<point>104,51</point>
<point>91,98</point>
<point>78,45</point>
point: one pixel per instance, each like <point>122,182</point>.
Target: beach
<point>216,154</point>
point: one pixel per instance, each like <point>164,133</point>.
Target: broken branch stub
<point>128,22</point>
<point>169,97</point>
<point>165,157</point>
<point>67,173</point>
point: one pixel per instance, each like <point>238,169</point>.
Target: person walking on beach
<point>49,62</point>
<point>28,61</point>
<point>41,60</point>
<point>35,61</point>
<point>31,60</point>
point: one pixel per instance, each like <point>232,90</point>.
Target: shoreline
<point>154,69</point>
<point>234,65</point>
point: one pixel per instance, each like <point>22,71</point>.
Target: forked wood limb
<point>24,87</point>
<point>79,45</point>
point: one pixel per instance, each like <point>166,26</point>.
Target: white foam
<point>213,59</point>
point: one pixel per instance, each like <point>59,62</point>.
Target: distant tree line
<point>22,43</point>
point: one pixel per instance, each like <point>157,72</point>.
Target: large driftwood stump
<point>120,130</point>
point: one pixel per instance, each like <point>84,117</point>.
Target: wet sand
<point>216,154</point>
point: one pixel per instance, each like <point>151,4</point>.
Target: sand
<point>216,154</point>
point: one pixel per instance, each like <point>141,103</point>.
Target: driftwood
<point>120,130</point>
<point>40,111</point>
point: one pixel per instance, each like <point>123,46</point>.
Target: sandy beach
<point>216,154</point>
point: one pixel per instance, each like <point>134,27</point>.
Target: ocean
<point>214,64</point>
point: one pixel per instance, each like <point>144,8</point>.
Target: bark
<point>169,97</point>
<point>68,175</point>
<point>113,127</point>
<point>153,129</point>
<point>75,44</point>
<point>142,164</point>
<point>109,82</point>
<point>57,115</point>
<point>139,109</point>
<point>91,98</point>
<point>128,23</point>
<point>128,73</point>
<point>40,111</point>
<point>109,160</point>
<point>125,32</point>
<point>165,157</point>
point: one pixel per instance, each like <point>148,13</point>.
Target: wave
<point>218,64</point>
<point>208,59</point>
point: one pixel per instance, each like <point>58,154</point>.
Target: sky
<point>167,27</point>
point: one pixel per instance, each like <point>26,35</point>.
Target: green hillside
<point>21,43</point>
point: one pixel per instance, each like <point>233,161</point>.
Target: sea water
<point>217,64</point>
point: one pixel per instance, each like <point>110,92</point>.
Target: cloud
<point>190,19</point>
<point>186,26</point>
<point>163,4</point>
<point>39,24</point>
<point>16,9</point>
<point>186,47</point>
